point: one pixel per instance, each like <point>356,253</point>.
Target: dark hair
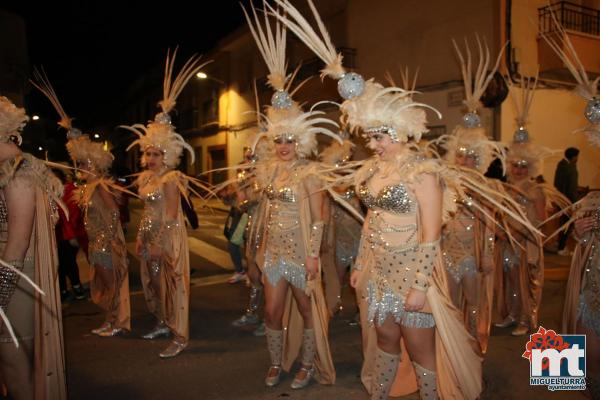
<point>571,152</point>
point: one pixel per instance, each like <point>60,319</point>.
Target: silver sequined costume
<point>392,240</point>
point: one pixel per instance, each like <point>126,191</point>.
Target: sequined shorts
<point>460,269</point>
<point>276,268</point>
<point>388,303</point>
<point>589,317</point>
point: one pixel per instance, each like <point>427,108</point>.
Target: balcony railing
<point>571,16</point>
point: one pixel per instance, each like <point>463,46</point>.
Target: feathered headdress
<point>160,133</point>
<point>79,146</point>
<point>12,120</point>
<point>585,88</point>
<point>284,118</point>
<point>522,151</point>
<point>368,105</point>
<point>469,137</point>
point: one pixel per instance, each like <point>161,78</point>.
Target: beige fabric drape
<point>114,298</point>
<point>49,364</point>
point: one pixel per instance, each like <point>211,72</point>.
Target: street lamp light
<point>40,148</point>
<point>35,117</point>
<point>201,75</point>
<point>96,136</point>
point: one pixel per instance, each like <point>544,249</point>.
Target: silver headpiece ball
<point>521,135</point>
<point>592,110</point>
<point>73,133</point>
<point>281,99</point>
<point>163,118</point>
<point>351,85</point>
<point>471,120</point>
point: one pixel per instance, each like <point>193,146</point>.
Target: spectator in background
<point>566,181</point>
<point>230,198</point>
<point>68,234</point>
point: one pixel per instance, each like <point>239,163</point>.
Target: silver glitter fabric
<point>3,212</point>
<point>275,269</point>
<point>285,255</point>
<point>471,120</point>
<point>281,100</point>
<point>588,314</point>
<point>285,194</point>
<point>8,282</point>
<point>351,85</point>
<point>589,305</point>
<point>101,233</point>
<point>521,135</point>
<point>152,221</point>
<point>391,198</point>
<point>592,110</point>
<point>382,302</point>
<point>458,242</point>
<point>460,269</point>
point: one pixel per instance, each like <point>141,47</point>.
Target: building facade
<point>217,114</point>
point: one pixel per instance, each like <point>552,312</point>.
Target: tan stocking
<point>427,382</point>
<point>383,376</point>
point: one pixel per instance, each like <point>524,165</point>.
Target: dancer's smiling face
<point>285,148</point>
<point>382,145</point>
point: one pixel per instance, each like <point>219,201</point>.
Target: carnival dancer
<point>520,281</point>
<point>399,266</point>
<point>581,314</point>
<point>31,350</point>
<point>292,224</point>
<point>249,193</point>
<point>107,251</point>
<point>162,238</point>
<point>468,237</point>
<point>342,230</point>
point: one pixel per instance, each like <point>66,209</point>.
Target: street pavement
<point>223,362</point>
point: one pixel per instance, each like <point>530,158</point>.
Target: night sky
<point>93,50</point>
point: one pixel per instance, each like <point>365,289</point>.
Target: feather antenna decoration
<point>79,146</point>
<point>476,83</point>
<point>272,46</point>
<point>523,102</point>
<point>469,139</point>
<point>284,117</point>
<point>159,133</point>
<point>42,83</point>
<point>368,106</point>
<point>173,87</point>
<point>320,43</point>
<point>564,49</point>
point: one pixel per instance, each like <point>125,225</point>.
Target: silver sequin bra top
<point>285,194</point>
<point>394,199</point>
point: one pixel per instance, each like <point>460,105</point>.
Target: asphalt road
<point>223,362</point>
